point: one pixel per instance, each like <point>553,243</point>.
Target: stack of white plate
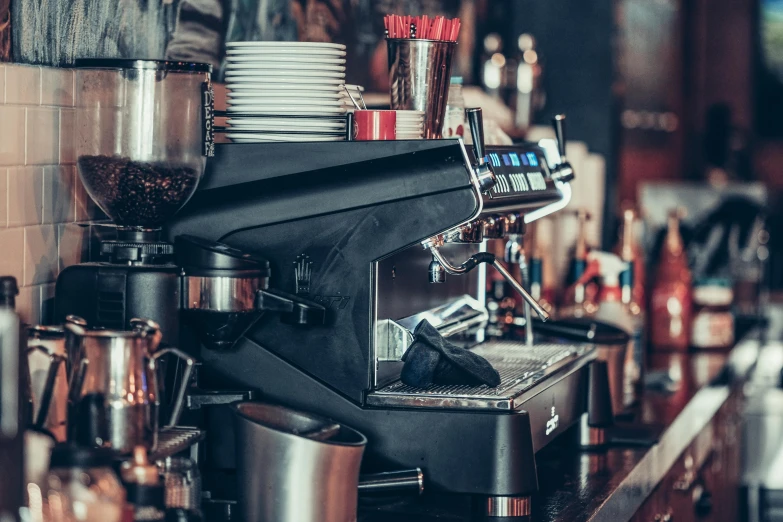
<point>410,125</point>
<point>285,91</point>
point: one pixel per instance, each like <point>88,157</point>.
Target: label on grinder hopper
<point>208,120</point>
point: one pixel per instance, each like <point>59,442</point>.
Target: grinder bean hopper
<point>143,134</point>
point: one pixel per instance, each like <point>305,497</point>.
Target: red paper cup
<point>374,125</point>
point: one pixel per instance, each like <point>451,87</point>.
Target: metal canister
<point>419,77</point>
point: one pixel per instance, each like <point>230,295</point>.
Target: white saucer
<point>272,137</point>
<point>264,68</point>
<point>287,124</point>
<point>272,104</point>
<point>292,45</point>
<point>276,59</point>
<point>285,52</point>
<point>257,76</point>
<point>288,111</point>
<point>272,85</point>
<point>284,93</point>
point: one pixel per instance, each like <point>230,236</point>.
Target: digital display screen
<point>517,172</point>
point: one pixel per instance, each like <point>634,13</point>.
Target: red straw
<point>424,27</point>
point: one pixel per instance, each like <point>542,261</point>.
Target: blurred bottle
<point>455,122</point>
<point>12,404</point>
<point>671,296</point>
<point>579,297</point>
<point>540,292</point>
<point>525,82</point>
<point>629,249</point>
<point>630,253</point>
<point>493,65</point>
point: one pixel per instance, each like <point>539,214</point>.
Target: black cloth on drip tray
<point>432,359</point>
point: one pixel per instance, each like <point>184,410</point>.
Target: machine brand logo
<point>335,302</point>
<point>553,422</point>
<point>303,270</point>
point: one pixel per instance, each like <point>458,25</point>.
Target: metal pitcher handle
<point>51,377</point>
<point>178,403</point>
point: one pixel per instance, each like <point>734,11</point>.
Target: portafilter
<point>225,291</point>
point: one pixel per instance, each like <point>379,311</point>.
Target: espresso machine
<point>298,273</point>
<point>383,235</point>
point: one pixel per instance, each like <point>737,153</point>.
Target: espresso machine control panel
<point>518,169</point>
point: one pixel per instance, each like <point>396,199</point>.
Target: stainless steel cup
<point>295,467</point>
<point>419,77</point>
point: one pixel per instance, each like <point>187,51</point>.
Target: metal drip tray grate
<point>520,367</point>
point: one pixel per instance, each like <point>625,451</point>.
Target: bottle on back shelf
<point>629,250</point>
<point>579,297</point>
<point>12,400</point>
<point>671,296</point>
<point>616,310</point>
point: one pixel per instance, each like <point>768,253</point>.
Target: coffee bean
<point>135,193</point>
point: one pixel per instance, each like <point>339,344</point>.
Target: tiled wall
<point>40,191</point>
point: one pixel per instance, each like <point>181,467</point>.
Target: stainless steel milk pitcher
<point>114,394</point>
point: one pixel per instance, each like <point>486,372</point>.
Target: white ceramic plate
<point>316,77</point>
<point>294,87</point>
<point>293,45</point>
<point>264,68</point>
<point>275,60</point>
<point>275,96</point>
<point>284,52</point>
<point>287,124</point>
<point>288,111</point>
<point>271,137</point>
<point>293,101</point>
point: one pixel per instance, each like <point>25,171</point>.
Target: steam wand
<point>440,266</point>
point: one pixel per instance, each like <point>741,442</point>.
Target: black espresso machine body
<point>342,224</point>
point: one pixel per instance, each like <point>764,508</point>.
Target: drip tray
<point>521,368</point>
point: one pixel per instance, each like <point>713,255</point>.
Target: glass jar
<point>455,110</point>
<point>143,131</point>
<point>82,486</point>
<point>713,320</point>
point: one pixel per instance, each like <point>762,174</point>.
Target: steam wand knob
<point>563,171</point>
<point>482,169</point>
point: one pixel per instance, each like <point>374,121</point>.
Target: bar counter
<point>692,470</point>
